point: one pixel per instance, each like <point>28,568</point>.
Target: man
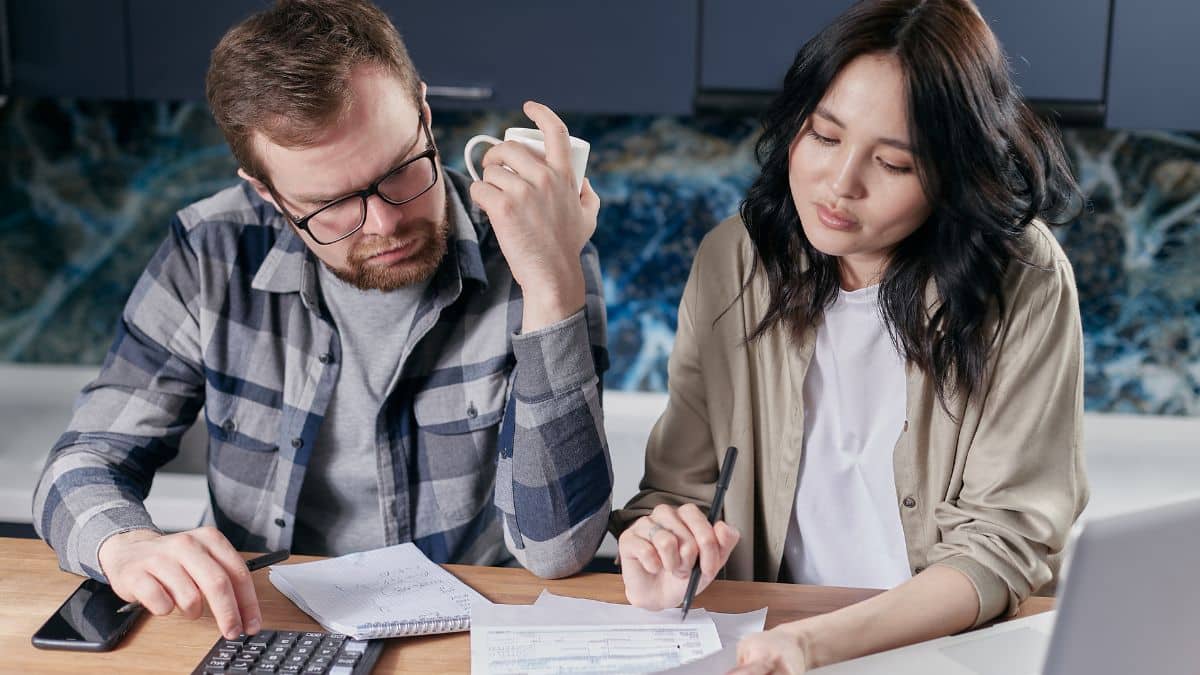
<point>377,360</point>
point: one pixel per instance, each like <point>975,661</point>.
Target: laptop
<point>1128,602</point>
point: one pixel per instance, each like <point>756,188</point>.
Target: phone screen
<point>87,620</point>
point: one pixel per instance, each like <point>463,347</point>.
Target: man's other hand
<point>183,571</point>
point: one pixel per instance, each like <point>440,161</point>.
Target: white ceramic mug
<point>532,138</point>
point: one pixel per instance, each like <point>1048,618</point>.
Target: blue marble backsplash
<point>89,187</point>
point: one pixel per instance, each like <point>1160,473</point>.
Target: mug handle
<point>476,140</point>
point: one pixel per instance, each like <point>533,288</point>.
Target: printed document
<point>572,635</point>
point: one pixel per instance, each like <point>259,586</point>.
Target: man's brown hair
<point>285,71</point>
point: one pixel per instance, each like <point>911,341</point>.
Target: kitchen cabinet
<point>67,48</point>
<point>1124,63</point>
<point>1153,81</point>
<point>620,57</point>
<point>170,43</point>
<point>1057,49</point>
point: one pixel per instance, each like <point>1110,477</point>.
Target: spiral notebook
<point>387,592</point>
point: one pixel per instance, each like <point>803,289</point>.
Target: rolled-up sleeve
<point>554,477</point>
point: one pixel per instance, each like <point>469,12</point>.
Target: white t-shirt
<point>845,528</point>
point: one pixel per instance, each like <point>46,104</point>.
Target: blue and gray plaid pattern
<point>496,439</point>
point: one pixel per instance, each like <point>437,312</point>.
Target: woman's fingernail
<point>253,626</point>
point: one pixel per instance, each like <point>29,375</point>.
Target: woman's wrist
<point>807,633</point>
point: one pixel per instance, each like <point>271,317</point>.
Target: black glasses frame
<point>366,193</point>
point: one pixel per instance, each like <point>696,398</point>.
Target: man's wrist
<point>121,539</point>
<point>551,302</point>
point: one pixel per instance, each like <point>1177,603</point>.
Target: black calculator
<point>285,652</point>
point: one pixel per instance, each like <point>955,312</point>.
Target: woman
<point>891,337</point>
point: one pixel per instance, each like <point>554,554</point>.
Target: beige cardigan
<point>992,495</point>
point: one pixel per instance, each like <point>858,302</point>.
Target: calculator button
<point>359,646</point>
<point>288,653</point>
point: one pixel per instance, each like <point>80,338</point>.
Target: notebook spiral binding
<point>386,629</point>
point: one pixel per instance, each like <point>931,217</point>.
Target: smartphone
<point>88,621</point>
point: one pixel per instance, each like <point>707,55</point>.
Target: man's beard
<point>430,243</point>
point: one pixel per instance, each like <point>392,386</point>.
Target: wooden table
<point>32,587</point>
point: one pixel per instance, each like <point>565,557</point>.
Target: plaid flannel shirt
<point>486,431</point>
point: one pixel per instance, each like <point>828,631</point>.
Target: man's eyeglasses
<point>346,215</point>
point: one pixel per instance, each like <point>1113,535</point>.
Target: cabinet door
<point>624,57</point>
<point>170,43</point>
<point>1057,48</point>
<point>1153,81</point>
<point>619,56</point>
<point>68,48</point>
<point>748,45</point>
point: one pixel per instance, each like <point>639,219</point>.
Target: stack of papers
<point>558,634</point>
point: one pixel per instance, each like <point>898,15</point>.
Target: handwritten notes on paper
<point>386,592</point>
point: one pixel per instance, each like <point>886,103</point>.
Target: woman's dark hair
<point>988,166</point>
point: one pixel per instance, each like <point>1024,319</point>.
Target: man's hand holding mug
<point>542,209</point>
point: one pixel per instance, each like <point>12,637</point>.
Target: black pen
<point>251,564</point>
<point>713,511</point>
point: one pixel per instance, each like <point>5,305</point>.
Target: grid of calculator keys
<point>290,653</point>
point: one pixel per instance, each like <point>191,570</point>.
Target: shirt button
<point>917,570</point>
<point>279,522</point>
<point>229,427</point>
<point>325,358</point>
<point>909,502</point>
<point>905,425</point>
<point>297,443</point>
<point>471,411</point>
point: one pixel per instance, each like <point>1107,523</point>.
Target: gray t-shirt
<point>339,509</point>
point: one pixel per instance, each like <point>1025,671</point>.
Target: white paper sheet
<point>560,634</point>
<point>394,590</point>
<point>717,663</point>
<point>730,627</point>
